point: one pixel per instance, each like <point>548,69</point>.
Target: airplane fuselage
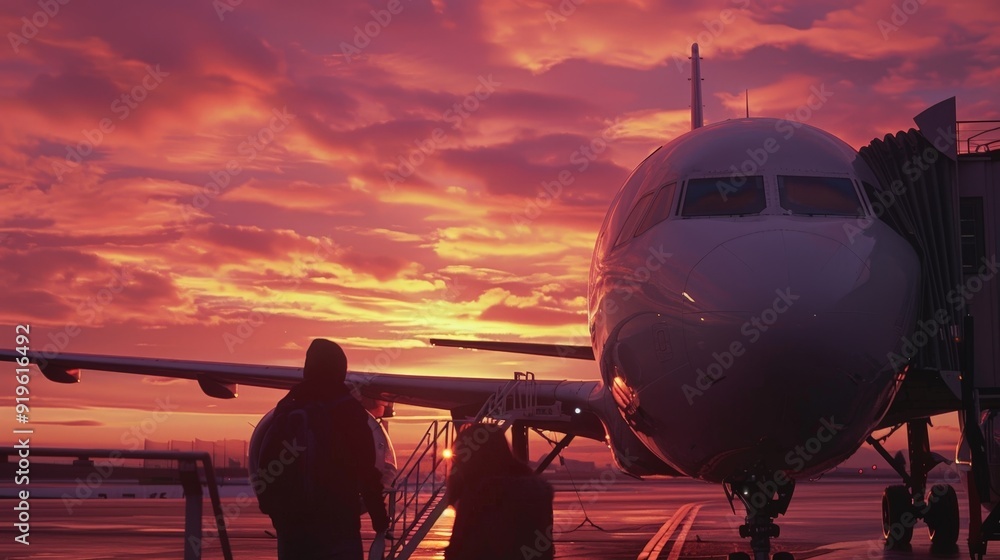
<point>744,301</point>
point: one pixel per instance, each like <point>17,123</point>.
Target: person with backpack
<point>315,459</point>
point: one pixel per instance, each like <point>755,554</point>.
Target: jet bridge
<point>938,188</point>
<point>979,211</point>
<point>978,177</point>
<point>918,197</point>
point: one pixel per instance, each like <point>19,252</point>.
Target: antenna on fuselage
<point>697,119</point>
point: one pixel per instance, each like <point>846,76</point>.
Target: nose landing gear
<point>764,497</point>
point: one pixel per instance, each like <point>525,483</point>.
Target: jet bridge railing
<point>977,136</point>
<point>187,465</point>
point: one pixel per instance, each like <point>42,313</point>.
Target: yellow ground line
<point>652,549</point>
<point>675,552</point>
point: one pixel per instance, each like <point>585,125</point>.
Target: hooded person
<point>337,454</point>
<point>503,510</point>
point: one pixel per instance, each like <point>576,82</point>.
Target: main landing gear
<point>764,497</point>
<point>904,504</point>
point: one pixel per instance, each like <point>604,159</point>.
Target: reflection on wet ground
<point>621,519</point>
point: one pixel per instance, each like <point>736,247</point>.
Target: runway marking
<point>685,514</point>
<point>675,552</point>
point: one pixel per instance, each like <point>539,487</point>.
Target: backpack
<point>293,458</point>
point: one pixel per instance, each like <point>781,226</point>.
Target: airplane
<point>741,330</point>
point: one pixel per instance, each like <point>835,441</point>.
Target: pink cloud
<point>308,235</point>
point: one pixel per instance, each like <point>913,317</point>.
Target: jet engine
<point>385,454</point>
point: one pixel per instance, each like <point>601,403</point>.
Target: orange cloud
<point>247,192</point>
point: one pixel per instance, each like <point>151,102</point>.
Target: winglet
<point>697,119</point>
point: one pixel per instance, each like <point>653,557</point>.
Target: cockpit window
<point>819,196</point>
<point>659,210</point>
<point>724,196</point>
<point>633,218</point>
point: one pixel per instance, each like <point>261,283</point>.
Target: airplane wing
<point>551,350</point>
<point>462,397</point>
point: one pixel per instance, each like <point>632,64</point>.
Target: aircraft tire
<point>942,518</point>
<point>897,530</point>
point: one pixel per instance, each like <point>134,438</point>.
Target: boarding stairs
<point>417,497</point>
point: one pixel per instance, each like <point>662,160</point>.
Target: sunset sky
<point>225,181</point>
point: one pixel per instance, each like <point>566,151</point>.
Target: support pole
<point>890,460</point>
<point>977,545</point>
<point>192,509</point>
<point>519,441</point>
<point>980,531</point>
<point>563,443</point>
<point>220,518</point>
<point>973,435</point>
<point>921,461</point>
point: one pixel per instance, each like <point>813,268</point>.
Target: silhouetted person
<point>503,510</point>
<point>327,459</point>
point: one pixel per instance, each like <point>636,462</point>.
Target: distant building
<point>571,466</point>
<point>225,453</point>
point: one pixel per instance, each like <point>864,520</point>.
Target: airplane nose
<point>784,329</point>
<point>792,300</point>
<point>781,331</point>
<point>818,270</point>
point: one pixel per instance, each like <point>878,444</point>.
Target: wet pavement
<point>614,519</point>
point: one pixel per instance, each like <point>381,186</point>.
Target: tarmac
<point>594,519</point>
